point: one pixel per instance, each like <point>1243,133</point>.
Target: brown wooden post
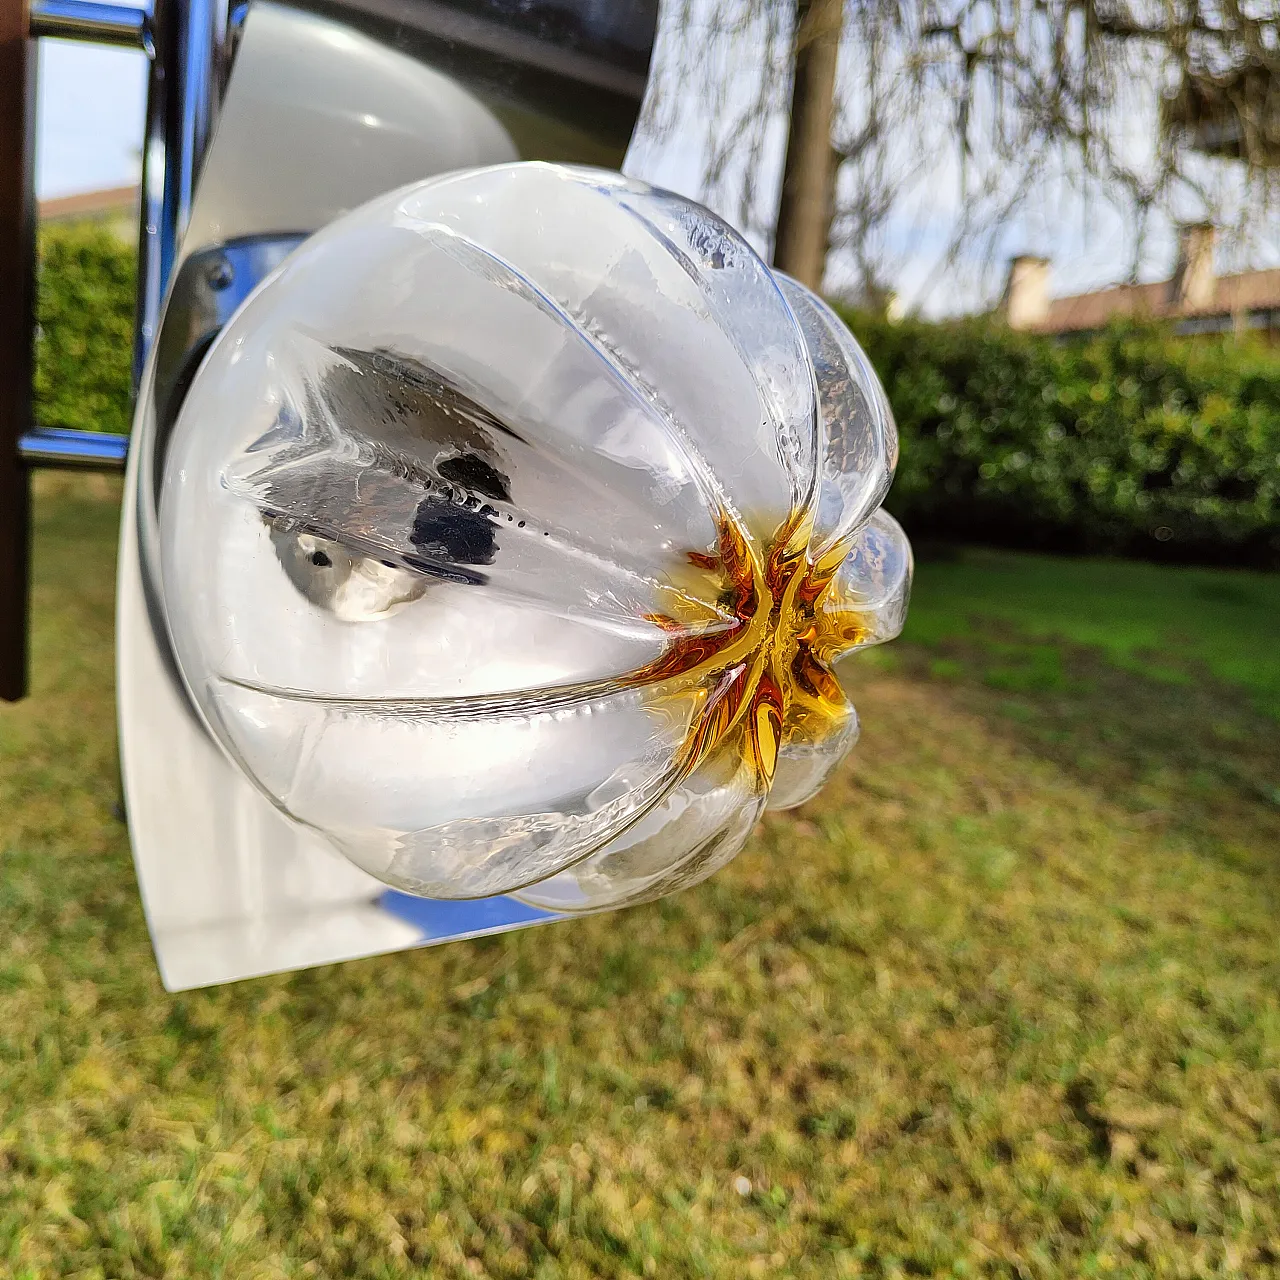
<point>17,301</point>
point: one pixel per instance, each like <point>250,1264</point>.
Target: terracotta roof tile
<point>86,204</point>
<point>1249,291</point>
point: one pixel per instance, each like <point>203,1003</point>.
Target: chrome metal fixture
<point>112,24</point>
<point>566,76</point>
<point>264,123</point>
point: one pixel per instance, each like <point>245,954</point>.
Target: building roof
<point>1249,291</point>
<point>90,204</point>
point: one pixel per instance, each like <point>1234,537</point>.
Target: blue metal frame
<point>56,447</point>
<point>116,24</point>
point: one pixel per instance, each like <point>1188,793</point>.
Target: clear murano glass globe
<point>511,532</point>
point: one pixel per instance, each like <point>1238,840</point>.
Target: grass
<point>1166,623</point>
<point>1001,1002</point>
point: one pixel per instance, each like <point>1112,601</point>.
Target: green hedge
<point>1132,441</point>
<point>85,337</point>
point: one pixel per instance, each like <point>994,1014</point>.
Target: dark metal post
<point>17,302</point>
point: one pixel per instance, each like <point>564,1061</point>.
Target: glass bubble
<point>513,527</point>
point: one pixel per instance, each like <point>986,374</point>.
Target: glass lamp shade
<point>512,530</point>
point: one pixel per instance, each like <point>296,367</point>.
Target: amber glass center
<point>767,671</point>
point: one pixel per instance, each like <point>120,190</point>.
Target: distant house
<point>1194,298</point>
<point>115,207</point>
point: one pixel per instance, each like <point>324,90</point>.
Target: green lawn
<point>1002,1002</point>
<point>1167,623</point>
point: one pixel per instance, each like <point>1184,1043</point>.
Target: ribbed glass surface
<point>513,527</point>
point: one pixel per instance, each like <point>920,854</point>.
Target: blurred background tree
<point>875,111</point>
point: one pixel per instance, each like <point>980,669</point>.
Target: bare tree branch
<point>1153,107</point>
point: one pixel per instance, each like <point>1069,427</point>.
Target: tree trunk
<point>805,207</point>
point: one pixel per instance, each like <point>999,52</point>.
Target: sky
<point>89,129</point>
<point>1086,229</point>
<point>88,118</point>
